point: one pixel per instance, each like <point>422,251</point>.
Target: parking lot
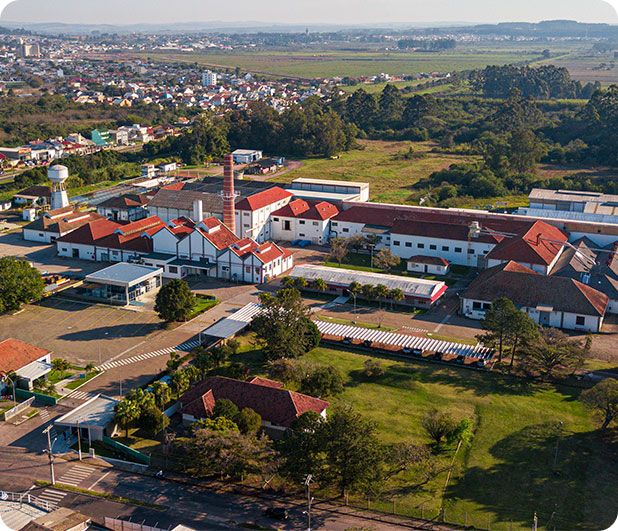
<point>43,256</point>
<point>80,332</point>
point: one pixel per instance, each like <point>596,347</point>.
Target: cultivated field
<point>320,63</point>
<point>510,471</point>
<point>589,68</point>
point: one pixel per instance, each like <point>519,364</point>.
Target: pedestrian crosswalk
<point>44,414</point>
<point>187,346</point>
<point>75,475</point>
<point>51,496</point>
<point>81,395</point>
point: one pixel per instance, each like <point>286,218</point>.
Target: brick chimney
<point>229,210</point>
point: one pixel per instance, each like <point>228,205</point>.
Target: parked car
<point>276,513</point>
<point>481,364</point>
<point>304,243</point>
<point>347,341</point>
<point>460,359</point>
<point>438,356</point>
<point>367,343</point>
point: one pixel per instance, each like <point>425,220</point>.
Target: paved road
<point>197,507</point>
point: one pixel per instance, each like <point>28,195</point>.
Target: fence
<point>46,399</point>
<point>129,452</point>
<point>24,497</point>
<point>120,525</point>
<point>9,414</point>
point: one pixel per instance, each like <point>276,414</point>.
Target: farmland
<point>321,63</point>
<point>510,470</point>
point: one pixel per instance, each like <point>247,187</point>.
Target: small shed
<point>94,419</point>
<point>433,265</point>
<point>122,283</point>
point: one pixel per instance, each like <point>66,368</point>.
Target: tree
<point>338,249</point>
<point>319,284</point>
<point>175,301</point>
<point>60,365</point>
<point>202,359</point>
<point>368,291</point>
<point>222,424</point>
<point>248,421</point>
<point>324,380</point>
<point>284,327</point>
<point>552,352</point>
<point>89,368</point>
<point>233,345</point>
<point>603,399</point>
<point>153,420</point>
<point>497,324</point>
<point>354,289</point>
<point>126,412</point>
<point>179,382</point>
<point>373,369</point>
<point>523,331</point>
<point>300,282</point>
<point>218,355</point>
<point>225,408</point>
<point>20,283</point>
<point>174,362</point>
<point>301,448</point>
<point>381,293</point>
<point>162,393</point>
<point>287,282</point>
<point>396,295</point>
<point>386,260</point>
<point>352,452</point>
<point>438,426</point>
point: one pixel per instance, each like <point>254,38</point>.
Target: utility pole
<point>50,453</point>
<point>79,439</point>
<point>308,481</point>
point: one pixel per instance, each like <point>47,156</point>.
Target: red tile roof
<point>220,237</point>
<point>266,382</point>
<point>274,404</point>
<point>15,354</point>
<point>430,260</point>
<point>539,244</point>
<point>300,208</point>
<point>527,288</point>
<point>262,199</point>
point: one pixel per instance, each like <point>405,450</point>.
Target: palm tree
<point>368,291</point>
<point>126,413</point>
<point>354,289</point>
<point>319,284</point>
<point>381,292</point>
<point>396,295</point>
<point>218,355</point>
<point>161,392</point>
<point>287,282</point>
<point>179,382</point>
<point>300,282</point>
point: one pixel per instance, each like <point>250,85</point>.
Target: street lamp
<point>50,452</point>
<point>308,481</point>
<point>79,438</point>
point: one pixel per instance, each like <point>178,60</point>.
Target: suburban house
<point>129,207</point>
<point>104,240</point>
<point>428,264</point>
<point>583,261</point>
<point>417,292</point>
<point>254,213</point>
<point>555,301</point>
<point>248,261</point>
<point>278,407</point>
<point>29,363</point>
<point>303,219</point>
<point>56,223</point>
<point>34,195</point>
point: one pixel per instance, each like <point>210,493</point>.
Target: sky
<point>306,11</point>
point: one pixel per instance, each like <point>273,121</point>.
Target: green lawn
<point>508,472</point>
<point>354,323</point>
<point>202,304</point>
<point>81,381</point>
<point>57,376</point>
<point>379,163</point>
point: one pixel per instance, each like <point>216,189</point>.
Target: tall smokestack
<point>229,210</point>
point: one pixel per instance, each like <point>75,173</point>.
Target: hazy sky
<point>306,11</point>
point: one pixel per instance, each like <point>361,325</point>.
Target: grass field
<point>508,472</point>
<point>378,163</point>
<point>320,63</point>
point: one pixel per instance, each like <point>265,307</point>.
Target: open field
<point>391,178</point>
<point>587,67</point>
<point>320,63</point>
<point>508,472</point>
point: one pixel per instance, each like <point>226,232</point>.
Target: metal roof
<point>34,370</point>
<point>97,412</point>
<point>344,277</point>
<point>237,322</point>
<point>123,274</point>
<point>403,340</point>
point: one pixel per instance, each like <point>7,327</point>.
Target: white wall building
<point>304,220</point>
<point>253,213</point>
<point>209,79</point>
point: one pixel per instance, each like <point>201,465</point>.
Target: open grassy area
<point>378,163</point>
<point>508,473</point>
<point>354,323</point>
<point>202,304</point>
<point>353,63</point>
<point>81,381</point>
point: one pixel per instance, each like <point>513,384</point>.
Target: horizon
<point>323,12</point>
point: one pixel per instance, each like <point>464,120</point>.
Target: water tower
<point>58,175</point>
